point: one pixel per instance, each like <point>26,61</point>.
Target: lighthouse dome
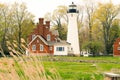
<point>73,8</point>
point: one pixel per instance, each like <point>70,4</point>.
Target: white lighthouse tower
<point>72,35</point>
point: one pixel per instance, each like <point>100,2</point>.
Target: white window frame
<point>60,49</point>
<point>46,26</point>
<point>41,47</point>
<point>50,48</point>
<point>118,48</point>
<point>34,47</point>
<point>33,36</point>
<point>48,37</point>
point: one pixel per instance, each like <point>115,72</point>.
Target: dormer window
<point>48,37</point>
<point>33,36</point>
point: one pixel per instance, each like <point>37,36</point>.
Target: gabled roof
<point>50,43</point>
<point>41,38</point>
<point>59,43</point>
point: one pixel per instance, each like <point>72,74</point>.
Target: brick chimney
<point>41,20</point>
<point>47,24</point>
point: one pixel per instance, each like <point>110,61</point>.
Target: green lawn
<point>57,67</point>
<point>70,68</point>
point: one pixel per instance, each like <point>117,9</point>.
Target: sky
<point>40,7</point>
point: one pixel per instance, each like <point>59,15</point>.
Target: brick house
<point>44,41</point>
<point>116,47</point>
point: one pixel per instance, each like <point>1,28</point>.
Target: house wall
<point>42,29</point>
<point>65,52</point>
<point>116,45</point>
<point>37,42</point>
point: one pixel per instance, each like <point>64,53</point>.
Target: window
<point>41,47</point>
<point>33,36</point>
<point>60,49</point>
<point>33,47</point>
<point>118,48</point>
<point>46,26</point>
<point>50,48</point>
<point>48,37</point>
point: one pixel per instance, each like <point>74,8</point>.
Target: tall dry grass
<point>22,67</point>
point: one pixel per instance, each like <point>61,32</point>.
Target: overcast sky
<point>40,7</point>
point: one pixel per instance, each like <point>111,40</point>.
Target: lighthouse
<point>72,35</point>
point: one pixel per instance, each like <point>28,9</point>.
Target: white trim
<point>40,39</point>
<point>60,48</point>
<point>50,48</point>
<point>118,48</point>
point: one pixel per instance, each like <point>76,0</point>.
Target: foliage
<point>5,25</point>
<point>106,15</point>
<point>114,34</point>
<point>15,23</point>
<point>95,46</point>
<point>58,20</point>
<point>22,19</point>
<point>62,31</point>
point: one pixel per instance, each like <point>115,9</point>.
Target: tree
<point>22,20</point>
<point>59,20</point>
<point>114,33</point>
<point>5,18</point>
<point>90,8</point>
<point>15,23</point>
<point>59,16</point>
<point>95,46</point>
<point>106,14</point>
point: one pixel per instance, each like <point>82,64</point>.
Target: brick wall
<point>37,42</point>
<point>42,29</point>
<point>116,45</point>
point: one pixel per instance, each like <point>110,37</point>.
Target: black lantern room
<point>73,8</point>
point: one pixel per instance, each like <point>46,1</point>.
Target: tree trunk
<point>19,38</point>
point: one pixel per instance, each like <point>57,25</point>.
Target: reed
<point>22,67</point>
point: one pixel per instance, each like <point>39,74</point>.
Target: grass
<point>73,70</point>
<point>20,67</point>
<point>25,68</point>
<point>57,68</point>
<point>83,70</point>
